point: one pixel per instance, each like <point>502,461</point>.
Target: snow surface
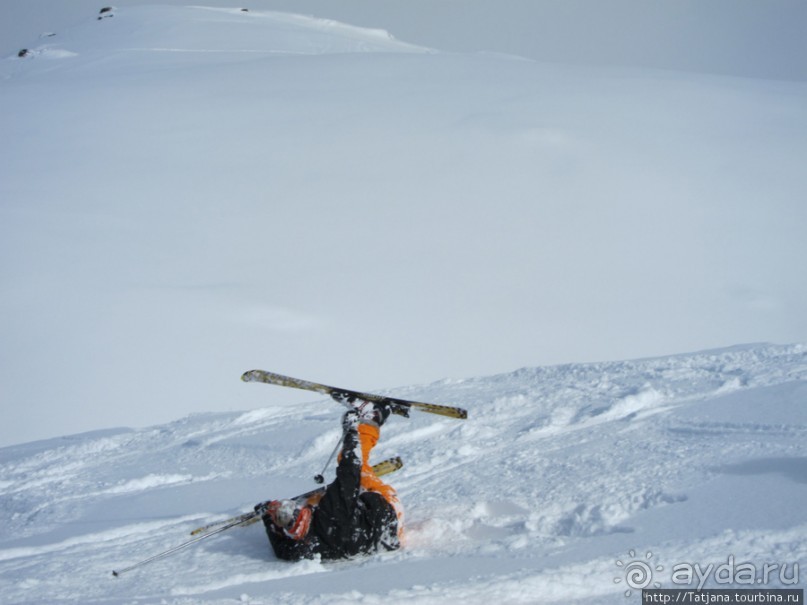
<point>558,473</point>
<point>189,192</point>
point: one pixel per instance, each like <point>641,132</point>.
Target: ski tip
<point>248,376</point>
<point>115,573</point>
<point>459,413</point>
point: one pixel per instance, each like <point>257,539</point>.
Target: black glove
<point>262,507</point>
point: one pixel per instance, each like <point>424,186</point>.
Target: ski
<point>384,467</point>
<point>398,406</point>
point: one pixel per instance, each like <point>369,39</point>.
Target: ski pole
<point>171,551</point>
<point>321,477</point>
<point>250,516</point>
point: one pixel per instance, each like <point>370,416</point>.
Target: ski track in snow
<point>557,472</point>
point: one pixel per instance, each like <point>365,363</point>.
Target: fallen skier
<point>357,513</point>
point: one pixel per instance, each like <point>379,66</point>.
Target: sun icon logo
<point>638,573</point>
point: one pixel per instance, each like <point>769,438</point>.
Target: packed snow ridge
<point>198,29</point>
<point>558,473</point>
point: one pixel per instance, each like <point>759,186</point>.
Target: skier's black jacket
<point>347,521</point>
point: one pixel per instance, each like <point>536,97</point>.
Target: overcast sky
<point>752,38</point>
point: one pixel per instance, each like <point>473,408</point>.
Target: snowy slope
<point>558,473</point>
<point>186,192</point>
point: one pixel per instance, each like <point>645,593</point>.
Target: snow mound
<point>558,473</point>
<point>199,30</point>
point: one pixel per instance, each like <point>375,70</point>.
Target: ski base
<point>399,406</point>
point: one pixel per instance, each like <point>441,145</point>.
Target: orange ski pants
<point>368,437</point>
